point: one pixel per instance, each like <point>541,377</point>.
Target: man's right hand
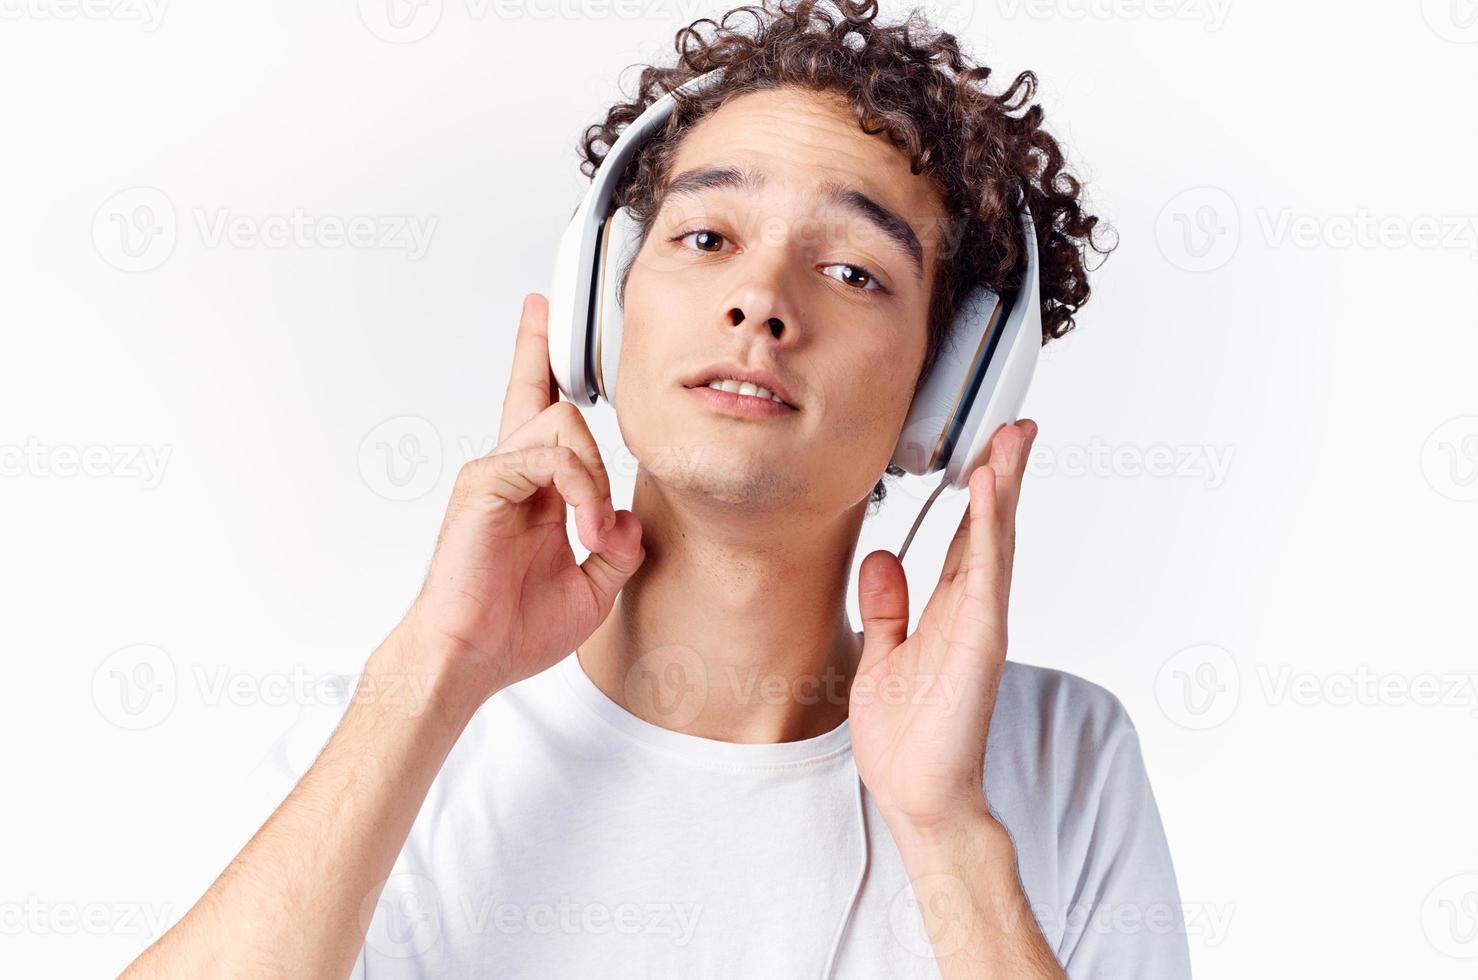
<point>504,598</point>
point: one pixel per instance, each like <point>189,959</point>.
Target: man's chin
<point>717,474</point>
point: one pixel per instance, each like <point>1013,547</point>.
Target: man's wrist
<point>966,863</point>
<point>416,671</point>
<point>973,828</point>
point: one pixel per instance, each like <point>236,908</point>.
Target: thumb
<point>882,598</point>
<point>609,568</point>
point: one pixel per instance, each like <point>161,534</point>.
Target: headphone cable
<point>919,520</point>
<point>836,942</point>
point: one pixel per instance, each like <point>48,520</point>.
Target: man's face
<point>820,276</point>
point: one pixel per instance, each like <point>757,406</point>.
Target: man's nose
<point>762,301</point>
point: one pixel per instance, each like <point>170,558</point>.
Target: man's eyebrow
<point>750,181</point>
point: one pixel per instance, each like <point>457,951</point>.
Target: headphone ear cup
<point>943,400</point>
<point>619,244</point>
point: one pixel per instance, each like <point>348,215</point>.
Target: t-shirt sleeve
<point>1122,915</point>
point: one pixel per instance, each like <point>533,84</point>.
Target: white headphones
<point>976,385</point>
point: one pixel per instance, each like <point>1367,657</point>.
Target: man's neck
<point>735,627</point>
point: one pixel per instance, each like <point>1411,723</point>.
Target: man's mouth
<point>747,383</point>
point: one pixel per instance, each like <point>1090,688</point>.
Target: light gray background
<point>195,427</point>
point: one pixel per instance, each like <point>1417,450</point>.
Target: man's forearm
<point>975,911</point>
<point>297,898</point>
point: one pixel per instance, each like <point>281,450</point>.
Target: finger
<point>1011,470</point>
<point>979,622</point>
<point>609,570</point>
<point>531,386</point>
<point>956,550</point>
<point>959,543</point>
<point>561,424</point>
<point>882,599</point>
<point>511,477</point>
<point>1010,453</point>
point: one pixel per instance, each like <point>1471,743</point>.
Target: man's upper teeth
<point>744,388</point>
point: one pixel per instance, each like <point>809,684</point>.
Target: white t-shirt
<point>567,838</point>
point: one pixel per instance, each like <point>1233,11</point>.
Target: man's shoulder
<point>1058,746</point>
<point>1044,700</point>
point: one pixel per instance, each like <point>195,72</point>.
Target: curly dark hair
<point>909,81</point>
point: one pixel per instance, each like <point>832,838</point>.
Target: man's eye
<point>856,276</point>
<point>702,234</point>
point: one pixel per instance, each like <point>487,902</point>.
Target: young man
<point>717,775</point>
